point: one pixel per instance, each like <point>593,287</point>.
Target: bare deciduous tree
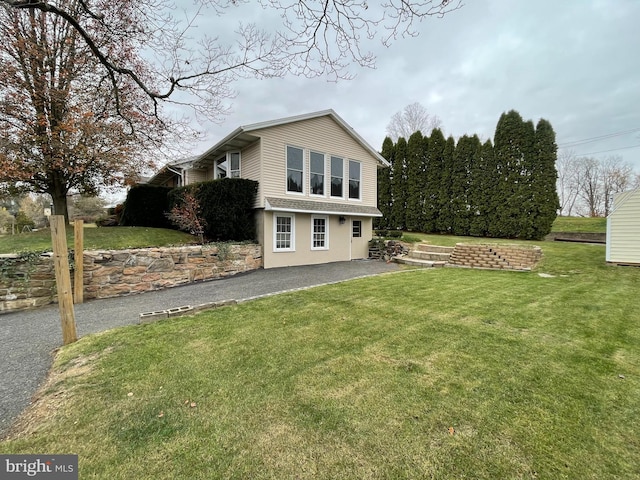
<point>412,118</point>
<point>315,38</point>
<point>586,186</point>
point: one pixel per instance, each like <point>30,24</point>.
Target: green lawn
<point>580,225</point>
<point>442,373</point>
<point>108,238</point>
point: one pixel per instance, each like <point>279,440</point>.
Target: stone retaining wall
<point>503,257</point>
<point>31,283</point>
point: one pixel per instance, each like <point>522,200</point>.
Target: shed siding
<point>623,229</point>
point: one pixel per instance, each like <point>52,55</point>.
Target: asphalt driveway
<point>28,339</point>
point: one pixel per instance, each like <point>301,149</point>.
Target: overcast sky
<point>575,63</point>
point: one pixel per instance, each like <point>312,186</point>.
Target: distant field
<point>580,225</point>
<point>107,238</point>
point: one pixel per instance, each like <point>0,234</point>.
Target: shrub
<point>394,234</point>
<point>226,207</point>
<point>146,206</point>
<point>186,215</point>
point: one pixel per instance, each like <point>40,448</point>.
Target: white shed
<point>623,229</point>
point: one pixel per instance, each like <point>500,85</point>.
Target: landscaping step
<point>423,247</point>
<point>416,262</point>
<point>435,256</point>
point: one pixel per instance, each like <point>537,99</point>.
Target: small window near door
<point>319,233</point>
<point>357,229</point>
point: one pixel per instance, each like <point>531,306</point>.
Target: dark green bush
<point>146,206</point>
<point>226,206</point>
<point>394,234</point>
<point>381,232</point>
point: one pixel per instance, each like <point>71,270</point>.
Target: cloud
<point>572,62</point>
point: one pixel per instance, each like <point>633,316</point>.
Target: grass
<point>580,225</point>
<point>107,238</point>
<point>443,373</point>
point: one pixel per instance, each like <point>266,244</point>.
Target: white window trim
<point>227,158</point>
<point>292,248</point>
<point>229,164</point>
<point>344,163</point>
<point>324,175</point>
<point>304,171</point>
<point>326,231</point>
<point>359,199</point>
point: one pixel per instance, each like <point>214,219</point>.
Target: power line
<point>607,151</point>
<point>597,139</point>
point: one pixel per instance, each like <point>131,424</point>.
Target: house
<point>623,229</point>
<point>317,193</point>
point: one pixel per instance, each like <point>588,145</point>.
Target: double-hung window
<point>284,233</point>
<point>295,169</point>
<point>354,180</point>
<point>337,176</point>
<point>316,173</point>
<point>319,232</point>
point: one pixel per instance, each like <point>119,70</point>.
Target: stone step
<point>415,262</point>
<point>423,247</point>
<point>442,257</point>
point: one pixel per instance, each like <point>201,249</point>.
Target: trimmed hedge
<point>226,205</point>
<point>146,206</point>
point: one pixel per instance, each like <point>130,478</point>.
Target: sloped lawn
<point>444,373</point>
<point>107,238</point>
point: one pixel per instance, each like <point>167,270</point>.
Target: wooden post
<point>78,274</point>
<point>63,279</point>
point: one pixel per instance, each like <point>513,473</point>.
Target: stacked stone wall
<point>111,273</point>
<point>502,257</point>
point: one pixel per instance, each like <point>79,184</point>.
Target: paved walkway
<point>27,339</point>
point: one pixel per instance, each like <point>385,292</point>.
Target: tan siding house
<point>317,193</point>
<point>623,229</point>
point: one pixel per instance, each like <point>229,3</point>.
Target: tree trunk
<point>60,205</point>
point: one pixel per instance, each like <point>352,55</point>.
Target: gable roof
<point>171,169</point>
<point>621,198</point>
<point>241,136</point>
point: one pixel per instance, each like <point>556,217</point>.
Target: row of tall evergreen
<point>504,189</point>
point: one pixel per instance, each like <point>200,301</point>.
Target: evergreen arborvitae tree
<point>544,177</point>
<point>511,145</point>
<point>433,176</point>
<point>399,186</point>
<point>415,183</point>
<point>384,184</point>
<point>465,156</point>
<point>444,223</point>
<point>482,189</point>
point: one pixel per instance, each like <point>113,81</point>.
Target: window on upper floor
<point>337,176</point>
<point>295,169</point>
<point>228,166</point>
<point>316,171</point>
<point>354,180</point>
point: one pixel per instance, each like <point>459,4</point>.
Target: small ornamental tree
<point>186,215</point>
